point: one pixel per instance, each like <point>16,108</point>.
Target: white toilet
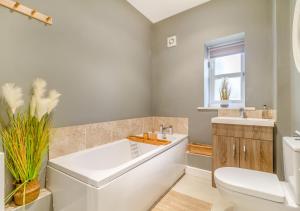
<point>251,190</point>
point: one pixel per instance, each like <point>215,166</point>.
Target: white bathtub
<point>121,176</point>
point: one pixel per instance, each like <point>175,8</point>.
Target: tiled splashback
<point>180,125</point>
<point>67,140</point>
<point>260,114</point>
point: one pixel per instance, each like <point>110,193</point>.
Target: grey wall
<point>283,77</point>
<point>97,54</point>
<point>288,78</point>
<point>177,73</point>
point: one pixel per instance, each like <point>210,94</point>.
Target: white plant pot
<point>224,103</point>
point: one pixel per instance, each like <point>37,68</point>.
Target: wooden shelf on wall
<point>200,149</point>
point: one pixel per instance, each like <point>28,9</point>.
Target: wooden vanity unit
<point>243,146</point>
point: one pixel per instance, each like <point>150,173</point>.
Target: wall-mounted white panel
<point>296,35</point>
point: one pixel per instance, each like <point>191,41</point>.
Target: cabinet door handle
<point>245,151</point>
<point>233,150</point>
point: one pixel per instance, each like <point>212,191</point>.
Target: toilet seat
<point>249,182</point>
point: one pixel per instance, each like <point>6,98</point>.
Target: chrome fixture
<point>242,113</point>
<point>297,135</point>
<point>162,130</point>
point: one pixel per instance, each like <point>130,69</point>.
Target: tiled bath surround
<point>67,140</point>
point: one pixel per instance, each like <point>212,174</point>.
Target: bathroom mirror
<point>296,35</point>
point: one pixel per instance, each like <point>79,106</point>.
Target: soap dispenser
<point>265,113</point>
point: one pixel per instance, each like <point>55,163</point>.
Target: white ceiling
<point>157,10</point>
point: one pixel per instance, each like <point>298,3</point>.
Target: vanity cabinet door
<point>256,155</point>
<point>225,152</point>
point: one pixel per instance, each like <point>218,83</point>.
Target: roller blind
<point>225,50</point>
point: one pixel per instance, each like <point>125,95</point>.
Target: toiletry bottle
<point>265,112</point>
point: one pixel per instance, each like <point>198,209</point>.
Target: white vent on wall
<point>171,41</point>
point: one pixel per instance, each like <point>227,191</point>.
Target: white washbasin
<point>244,121</point>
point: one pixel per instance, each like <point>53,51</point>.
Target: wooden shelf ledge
<point>200,149</point>
<point>43,202</point>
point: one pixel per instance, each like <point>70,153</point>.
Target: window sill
<point>219,108</point>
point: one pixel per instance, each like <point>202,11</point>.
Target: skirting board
<point>204,174</point>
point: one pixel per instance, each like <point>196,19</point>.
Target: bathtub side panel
<point>69,194</point>
<point>141,187</point>
<point>136,190</point>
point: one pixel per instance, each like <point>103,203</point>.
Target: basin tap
<point>242,113</point>
<point>162,130</point>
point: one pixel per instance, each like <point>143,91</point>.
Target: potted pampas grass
<point>225,92</point>
<point>25,137</point>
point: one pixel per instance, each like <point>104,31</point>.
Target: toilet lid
<point>250,182</point>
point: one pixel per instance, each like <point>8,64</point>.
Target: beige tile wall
<point>67,140</point>
<point>180,125</point>
<point>261,114</point>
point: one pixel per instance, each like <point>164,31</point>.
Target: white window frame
<point>212,78</point>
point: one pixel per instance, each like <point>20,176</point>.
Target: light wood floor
<point>174,201</point>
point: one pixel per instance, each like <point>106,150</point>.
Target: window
<point>225,61</point>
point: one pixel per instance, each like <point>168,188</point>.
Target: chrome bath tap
<point>162,130</point>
